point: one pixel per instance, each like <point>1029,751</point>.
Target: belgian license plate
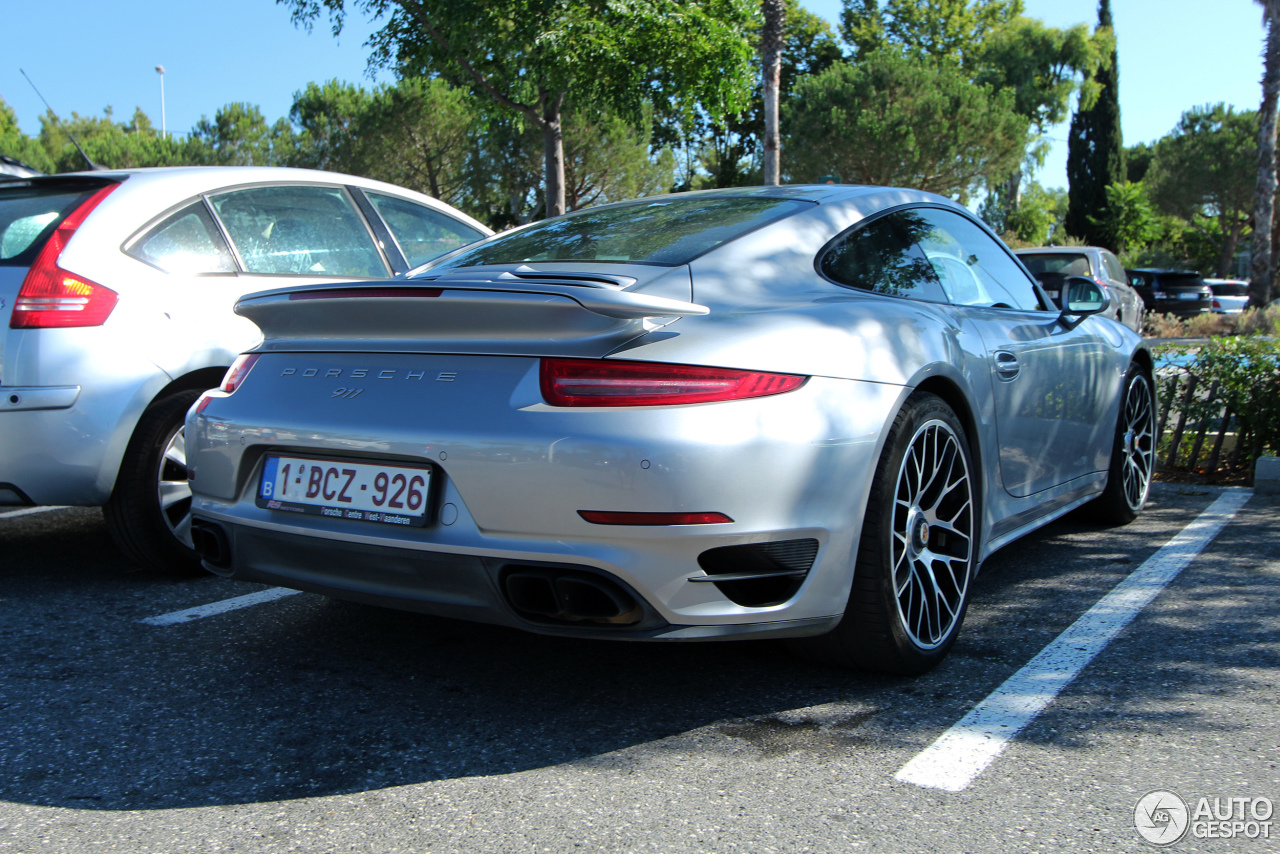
<point>1189,296</point>
<point>367,492</point>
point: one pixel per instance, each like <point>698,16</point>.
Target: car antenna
<point>93,167</point>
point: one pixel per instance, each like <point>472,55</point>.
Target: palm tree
<point>771,43</point>
<point>1262,270</point>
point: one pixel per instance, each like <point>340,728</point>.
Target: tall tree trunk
<point>1262,268</point>
<point>771,42</point>
<point>553,151</point>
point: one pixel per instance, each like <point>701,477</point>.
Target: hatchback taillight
<point>595,382</point>
<point>51,297</point>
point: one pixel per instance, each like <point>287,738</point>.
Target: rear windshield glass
<point>1230,290</point>
<point>1179,280</point>
<point>1057,263</point>
<point>668,232</point>
<point>29,214</point>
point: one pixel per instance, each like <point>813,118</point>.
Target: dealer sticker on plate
<point>367,492</point>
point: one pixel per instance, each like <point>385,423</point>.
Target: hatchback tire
<point>149,512</point>
<point>917,552</point>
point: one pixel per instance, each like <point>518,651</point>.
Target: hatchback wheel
<point>917,551</point>
<point>149,512</point>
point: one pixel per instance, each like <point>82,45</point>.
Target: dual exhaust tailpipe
<point>545,594</point>
<point>210,541</point>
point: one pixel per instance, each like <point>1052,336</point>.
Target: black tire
<point>885,627</point>
<point>1133,453</point>
<point>151,535</point>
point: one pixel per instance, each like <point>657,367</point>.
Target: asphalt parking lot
<point>305,724</point>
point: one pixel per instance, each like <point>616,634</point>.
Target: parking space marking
<point>215,608</point>
<point>27,511</point>
<point>962,753</point>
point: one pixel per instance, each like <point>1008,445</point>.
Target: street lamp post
<point>163,130</point>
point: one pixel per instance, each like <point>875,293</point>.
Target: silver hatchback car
<point>117,290</point>
<point>1051,265</point>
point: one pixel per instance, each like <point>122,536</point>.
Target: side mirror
<point>1082,297</point>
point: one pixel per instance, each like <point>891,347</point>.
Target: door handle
<point>1007,366</point>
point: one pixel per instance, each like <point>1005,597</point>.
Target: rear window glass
<point>1056,263</point>
<point>666,232</point>
<point>1179,280</point>
<point>1230,290</point>
<point>29,214</point>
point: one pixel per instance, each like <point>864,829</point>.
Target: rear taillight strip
<point>608,382</point>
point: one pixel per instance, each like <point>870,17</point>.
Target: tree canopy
<point>1205,173</point>
<point>535,56</point>
<point>902,120</point>
<point>949,30</point>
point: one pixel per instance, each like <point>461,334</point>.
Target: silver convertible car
<point>792,412</point>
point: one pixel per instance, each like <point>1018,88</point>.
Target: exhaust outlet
<point>211,543</point>
<point>568,596</point>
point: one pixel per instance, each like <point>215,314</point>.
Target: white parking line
<point>962,753</point>
<point>215,608</point>
<point>27,511</point>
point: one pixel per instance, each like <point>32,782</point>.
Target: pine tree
<point>1095,151</point>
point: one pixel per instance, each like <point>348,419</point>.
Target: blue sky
<point>84,56</point>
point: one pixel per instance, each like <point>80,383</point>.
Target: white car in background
<point>116,298</point>
<point>1230,296</point>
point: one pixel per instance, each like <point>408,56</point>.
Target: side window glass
<point>422,233</point>
<point>302,231</point>
<point>884,256</point>
<point>973,268</point>
<point>186,242</point>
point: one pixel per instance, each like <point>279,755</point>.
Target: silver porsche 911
<point>791,412</point>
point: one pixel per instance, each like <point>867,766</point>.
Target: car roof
<point>1059,250</point>
<point>180,182</point>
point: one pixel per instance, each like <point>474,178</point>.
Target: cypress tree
<point>1095,151</point>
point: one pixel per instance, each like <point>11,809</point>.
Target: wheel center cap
<point>1129,442</point>
<point>920,536</point>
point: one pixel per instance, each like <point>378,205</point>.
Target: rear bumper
<point>509,475</point>
<point>63,444</point>
<point>459,586</point>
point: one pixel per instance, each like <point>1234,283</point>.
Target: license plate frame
<point>345,489</point>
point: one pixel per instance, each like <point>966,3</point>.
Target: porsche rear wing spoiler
<point>473,313</point>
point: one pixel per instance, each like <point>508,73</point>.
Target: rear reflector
<point>601,517</point>
<point>368,293</point>
<point>51,297</point>
<point>595,382</point>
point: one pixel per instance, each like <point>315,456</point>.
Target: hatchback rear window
<point>663,232</point>
<point>30,212</point>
